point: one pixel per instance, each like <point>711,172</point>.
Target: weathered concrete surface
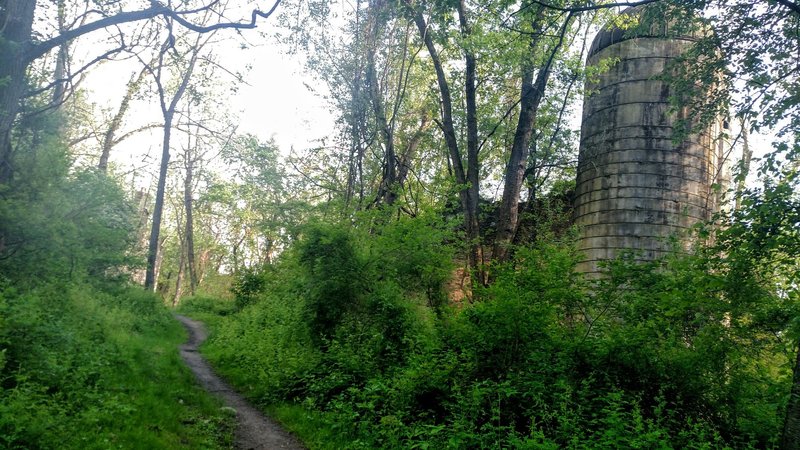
<point>635,186</point>
<point>255,431</point>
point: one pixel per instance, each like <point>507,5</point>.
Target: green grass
<point>86,369</point>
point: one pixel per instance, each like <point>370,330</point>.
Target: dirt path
<point>255,431</point>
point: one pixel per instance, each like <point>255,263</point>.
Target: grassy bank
<point>83,367</point>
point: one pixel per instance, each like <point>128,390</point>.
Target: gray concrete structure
<point>635,186</point>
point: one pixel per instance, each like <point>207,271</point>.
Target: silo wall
<point>635,186</point>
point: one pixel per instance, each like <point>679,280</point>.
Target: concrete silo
<point>635,186</point>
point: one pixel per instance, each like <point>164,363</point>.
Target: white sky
<point>275,102</point>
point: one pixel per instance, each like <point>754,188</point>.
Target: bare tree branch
<point>156,9</point>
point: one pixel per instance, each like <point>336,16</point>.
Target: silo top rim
<point>609,36</point>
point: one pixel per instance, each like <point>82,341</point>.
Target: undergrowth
<point>350,342</point>
<point>83,367</point>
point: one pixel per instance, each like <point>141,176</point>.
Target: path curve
<point>255,431</point>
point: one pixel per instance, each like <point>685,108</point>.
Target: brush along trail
<point>254,430</point>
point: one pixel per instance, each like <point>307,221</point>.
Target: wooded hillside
<point>409,280</point>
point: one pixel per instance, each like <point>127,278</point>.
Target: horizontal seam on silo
<point>701,219</point>
<point>641,164</point>
<point>647,173</point>
<point>596,89</point>
<point>625,248</point>
<point>615,105</point>
<point>659,225</point>
<point>676,229</point>
<point>617,237</point>
<point>612,44</point>
<point>646,163</point>
<point>638,260</point>
<point>619,127</point>
<point>683,204</point>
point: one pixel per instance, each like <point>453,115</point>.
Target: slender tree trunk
<point>411,149</point>
<point>168,112</point>
<point>473,165</point>
<point>386,191</point>
<point>356,153</point>
<point>60,72</point>
<point>202,266</point>
<point>15,40</point>
<point>747,156</point>
<point>791,424</point>
<point>116,122</point>
<point>176,298</point>
<point>532,94</point>
<point>160,262</point>
<point>189,233</point>
<point>158,209</point>
<point>515,168</point>
<point>235,254</point>
<point>448,129</point>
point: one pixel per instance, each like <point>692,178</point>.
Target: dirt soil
<point>254,430</point>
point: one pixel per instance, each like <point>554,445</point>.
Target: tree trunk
<point>747,156</point>
<point>176,298</point>
<point>158,209</point>
<point>116,121</point>
<point>15,26</point>
<point>411,149</point>
<point>448,128</point>
<point>168,112</point>
<point>386,191</point>
<point>473,165</point>
<point>508,214</point>
<point>531,94</point>
<point>60,72</point>
<point>791,424</point>
<point>189,234</point>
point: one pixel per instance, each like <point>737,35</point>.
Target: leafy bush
<point>666,354</point>
<point>249,284</point>
<point>205,304</point>
<point>333,276</point>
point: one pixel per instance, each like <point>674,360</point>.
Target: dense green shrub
<point>333,275</point>
<point>57,221</point>
<point>203,304</point>
<point>248,284</point>
<point>672,353</point>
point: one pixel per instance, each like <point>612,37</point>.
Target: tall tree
<point>110,137</point>
<point>468,187</point>
<point>21,46</point>
<point>531,96</point>
<point>183,62</point>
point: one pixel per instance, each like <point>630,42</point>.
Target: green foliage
<point>203,304</point>
<point>249,284</point>
<point>85,361</point>
<point>333,277</point>
<point>84,368</point>
<point>671,354</point>
<point>56,223</point>
<point>411,252</point>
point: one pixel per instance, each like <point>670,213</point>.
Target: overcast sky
<point>274,102</point>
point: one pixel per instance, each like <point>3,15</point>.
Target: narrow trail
<point>255,431</point>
